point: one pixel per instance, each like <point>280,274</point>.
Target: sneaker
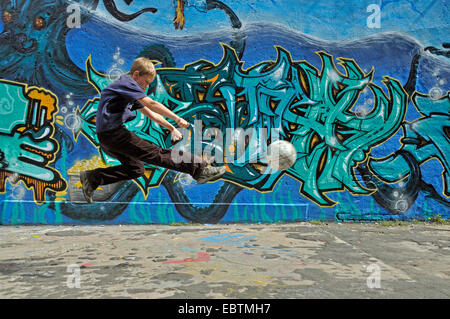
<point>210,173</point>
<point>88,190</point>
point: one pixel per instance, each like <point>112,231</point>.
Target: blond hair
<point>144,66</point>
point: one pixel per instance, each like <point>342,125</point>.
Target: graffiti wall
<point>359,88</point>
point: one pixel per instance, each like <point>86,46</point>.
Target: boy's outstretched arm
<point>157,107</point>
<point>176,135</point>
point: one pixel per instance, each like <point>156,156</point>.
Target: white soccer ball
<point>281,155</point>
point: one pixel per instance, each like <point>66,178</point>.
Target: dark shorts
<point>132,151</point>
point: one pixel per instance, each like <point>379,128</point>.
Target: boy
<point>116,106</point>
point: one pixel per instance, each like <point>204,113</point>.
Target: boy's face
<point>143,80</point>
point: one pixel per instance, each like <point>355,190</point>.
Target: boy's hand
<point>182,122</point>
<point>176,135</point>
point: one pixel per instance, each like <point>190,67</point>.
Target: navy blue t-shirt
<point>117,103</point>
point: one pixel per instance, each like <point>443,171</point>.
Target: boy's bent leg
<point>113,174</point>
<point>88,190</point>
<point>130,169</point>
<point>155,155</point>
<point>183,162</point>
<point>91,180</point>
<point>124,143</point>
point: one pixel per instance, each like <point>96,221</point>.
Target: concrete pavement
<point>270,261</point>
